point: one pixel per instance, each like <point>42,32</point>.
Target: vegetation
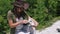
<point>41,10</point>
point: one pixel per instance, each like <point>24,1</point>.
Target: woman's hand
<point>23,21</point>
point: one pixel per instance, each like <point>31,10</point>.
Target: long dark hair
<point>21,14</point>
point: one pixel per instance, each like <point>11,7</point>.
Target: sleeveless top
<point>10,15</point>
<point>21,27</point>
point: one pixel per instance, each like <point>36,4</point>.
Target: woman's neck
<point>18,15</point>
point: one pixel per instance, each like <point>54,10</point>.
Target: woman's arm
<point>13,25</point>
<point>10,20</point>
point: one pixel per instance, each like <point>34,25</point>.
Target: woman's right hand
<point>23,21</point>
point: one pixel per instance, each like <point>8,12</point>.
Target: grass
<point>47,23</point>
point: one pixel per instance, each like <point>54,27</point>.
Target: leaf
<point>1,18</point>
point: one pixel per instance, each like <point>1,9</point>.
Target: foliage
<point>41,10</point>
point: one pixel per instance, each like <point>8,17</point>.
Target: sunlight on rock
<point>52,29</point>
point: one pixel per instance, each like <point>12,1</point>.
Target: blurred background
<point>44,11</point>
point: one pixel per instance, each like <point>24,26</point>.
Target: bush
<point>41,10</point>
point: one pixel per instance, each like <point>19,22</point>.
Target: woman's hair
<point>21,14</point>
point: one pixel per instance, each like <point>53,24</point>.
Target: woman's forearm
<point>13,25</point>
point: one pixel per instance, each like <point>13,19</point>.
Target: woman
<point>18,19</point>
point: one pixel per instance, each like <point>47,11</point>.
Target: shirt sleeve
<point>9,15</point>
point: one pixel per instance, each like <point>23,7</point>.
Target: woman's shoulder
<point>10,12</point>
<point>9,15</point>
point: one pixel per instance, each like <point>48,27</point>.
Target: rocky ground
<point>50,30</point>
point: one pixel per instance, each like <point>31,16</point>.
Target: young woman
<point>19,21</point>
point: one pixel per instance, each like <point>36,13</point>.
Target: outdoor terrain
<point>43,11</point>
<point>50,30</point>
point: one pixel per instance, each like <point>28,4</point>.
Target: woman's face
<point>19,9</point>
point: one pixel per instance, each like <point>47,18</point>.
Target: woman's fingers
<point>25,21</point>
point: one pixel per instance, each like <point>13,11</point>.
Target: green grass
<point>47,23</point>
